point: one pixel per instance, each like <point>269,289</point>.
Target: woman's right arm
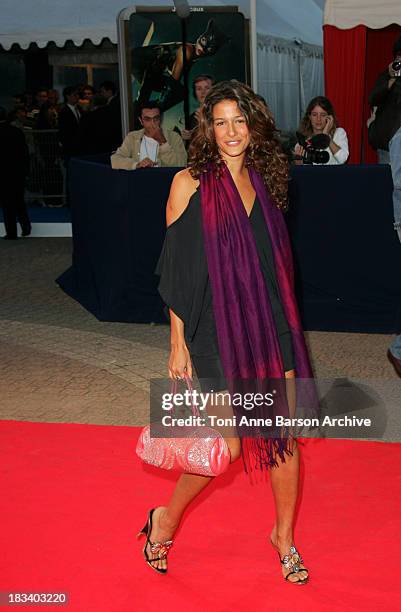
<point>180,359</point>
<point>182,187</point>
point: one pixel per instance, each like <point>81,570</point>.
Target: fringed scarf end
<point>261,454</point>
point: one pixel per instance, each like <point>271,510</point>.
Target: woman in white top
<point>320,118</point>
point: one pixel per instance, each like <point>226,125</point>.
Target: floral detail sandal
<point>160,548</point>
<point>292,561</point>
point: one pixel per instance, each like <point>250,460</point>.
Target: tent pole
<point>254,46</point>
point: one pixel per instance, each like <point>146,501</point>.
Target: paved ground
<point>59,364</point>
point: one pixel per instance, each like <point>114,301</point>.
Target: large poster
<point>217,45</point>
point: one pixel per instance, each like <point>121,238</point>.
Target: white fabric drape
<point>371,13</point>
<point>290,74</point>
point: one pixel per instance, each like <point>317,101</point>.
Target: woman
<point>159,68</point>
<point>320,118</point>
<point>226,275</point>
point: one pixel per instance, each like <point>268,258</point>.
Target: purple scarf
<point>246,331</point>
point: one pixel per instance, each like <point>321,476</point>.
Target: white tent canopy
<point>45,21</point>
<point>374,14</point>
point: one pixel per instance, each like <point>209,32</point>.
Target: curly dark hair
<point>305,126</point>
<point>264,152</point>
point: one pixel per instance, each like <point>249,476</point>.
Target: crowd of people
<point>40,134</point>
<point>87,120</point>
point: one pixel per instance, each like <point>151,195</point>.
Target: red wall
<point>352,61</point>
<point>344,71</point>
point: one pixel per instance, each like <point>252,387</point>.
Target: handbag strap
<point>194,408</point>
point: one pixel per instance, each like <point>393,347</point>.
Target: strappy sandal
<point>292,561</point>
<point>160,548</point>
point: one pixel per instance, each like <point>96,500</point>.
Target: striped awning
<point>374,14</point>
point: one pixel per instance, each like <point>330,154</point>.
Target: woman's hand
<point>329,125</point>
<point>298,150</point>
<point>179,364</point>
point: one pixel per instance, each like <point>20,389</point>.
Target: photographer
<point>386,95</point>
<point>319,119</point>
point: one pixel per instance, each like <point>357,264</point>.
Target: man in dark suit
<point>100,128</point>
<point>111,116</point>
<point>68,130</point>
<point>68,123</point>
<point>14,166</point>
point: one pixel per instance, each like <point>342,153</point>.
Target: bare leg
<point>285,482</point>
<point>167,518</point>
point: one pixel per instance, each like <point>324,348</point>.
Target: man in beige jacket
<point>151,146</point>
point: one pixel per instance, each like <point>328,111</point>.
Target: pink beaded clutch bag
<point>202,451</point>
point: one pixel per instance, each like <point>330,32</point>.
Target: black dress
<point>185,288</point>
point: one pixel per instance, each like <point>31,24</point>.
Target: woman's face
<point>230,129</point>
<point>202,88</point>
<point>199,49</point>
<point>318,118</point>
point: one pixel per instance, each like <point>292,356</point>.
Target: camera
<point>314,153</point>
<point>396,66</point>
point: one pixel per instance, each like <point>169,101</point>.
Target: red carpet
<point>73,497</point>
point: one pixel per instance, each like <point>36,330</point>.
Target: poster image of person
<point>157,65</point>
